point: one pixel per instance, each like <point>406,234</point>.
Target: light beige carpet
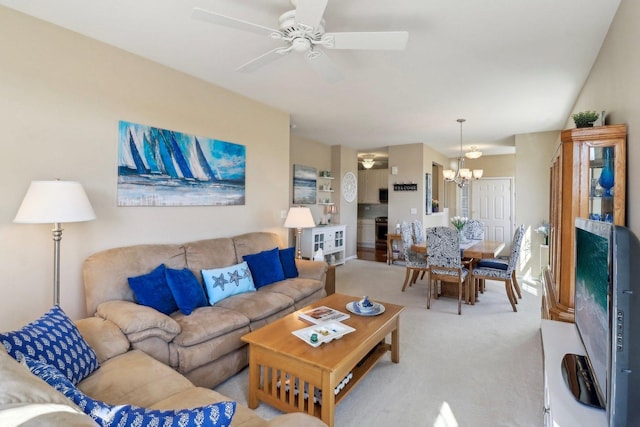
<point>480,369</point>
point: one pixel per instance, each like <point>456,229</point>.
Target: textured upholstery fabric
<point>23,395</point>
<point>151,289</point>
<point>212,415</point>
<point>473,230</point>
<point>226,281</point>
<point>265,266</point>
<point>418,231</point>
<point>198,327</point>
<point>105,273</point>
<point>138,322</point>
<point>55,339</point>
<point>104,337</point>
<point>493,263</point>
<point>210,253</point>
<point>186,290</point>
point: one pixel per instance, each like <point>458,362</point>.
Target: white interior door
<point>491,203</point>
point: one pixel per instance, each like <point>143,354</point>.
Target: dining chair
<point>418,231</point>
<point>415,262</point>
<point>497,269</point>
<point>445,262</point>
<point>473,230</point>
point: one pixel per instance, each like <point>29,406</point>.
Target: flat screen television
<point>607,316</point>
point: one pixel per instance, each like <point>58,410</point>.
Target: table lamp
<point>55,202</point>
<point>299,217</point>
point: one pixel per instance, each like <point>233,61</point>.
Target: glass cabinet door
<point>602,176</point>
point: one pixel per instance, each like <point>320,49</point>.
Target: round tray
<point>377,309</point>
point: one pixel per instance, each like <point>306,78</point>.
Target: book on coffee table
<point>323,314</point>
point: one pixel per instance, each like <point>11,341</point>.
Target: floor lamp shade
<point>299,218</point>
<point>55,202</point>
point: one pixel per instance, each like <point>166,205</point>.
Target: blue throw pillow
<point>288,261</point>
<point>186,290</point>
<point>53,339</point>
<point>493,264</point>
<point>214,415</point>
<point>152,290</point>
<point>224,282</point>
<point>265,266</point>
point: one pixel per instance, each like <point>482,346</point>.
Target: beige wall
<point>345,159</point>
<point>62,98</point>
<point>534,152</point>
<point>613,85</point>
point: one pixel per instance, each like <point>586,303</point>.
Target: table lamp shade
<point>299,217</point>
<point>54,202</point>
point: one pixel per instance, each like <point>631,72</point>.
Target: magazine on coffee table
<point>323,314</point>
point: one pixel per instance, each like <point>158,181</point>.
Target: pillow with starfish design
<point>226,281</point>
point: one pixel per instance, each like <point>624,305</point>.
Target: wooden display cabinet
<point>588,180</point>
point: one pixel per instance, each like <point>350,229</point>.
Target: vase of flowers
<point>435,205</point>
<point>544,230</point>
<point>459,222</point>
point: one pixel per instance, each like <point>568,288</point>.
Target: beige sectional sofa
<point>124,377</point>
<point>204,346</point>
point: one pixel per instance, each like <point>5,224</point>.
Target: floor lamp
<point>55,202</point>
<point>299,217</point>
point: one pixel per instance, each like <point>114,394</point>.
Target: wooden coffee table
<point>281,365</point>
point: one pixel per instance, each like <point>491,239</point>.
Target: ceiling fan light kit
<point>463,175</point>
<point>303,30</point>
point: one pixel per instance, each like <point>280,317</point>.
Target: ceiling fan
<point>302,30</point>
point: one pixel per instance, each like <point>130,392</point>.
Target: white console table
<point>561,407</point>
<point>329,238</point>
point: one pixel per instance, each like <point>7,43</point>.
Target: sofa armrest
<point>312,269</point>
<point>139,322</point>
<point>104,337</point>
<point>296,419</point>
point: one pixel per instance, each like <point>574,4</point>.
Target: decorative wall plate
<point>349,186</point>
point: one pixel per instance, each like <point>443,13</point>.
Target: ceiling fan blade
<point>263,60</point>
<point>387,40</point>
<point>236,24</point>
<point>324,66</point>
<point>309,12</point>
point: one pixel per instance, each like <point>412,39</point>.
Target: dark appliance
<point>383,195</point>
<point>381,232</point>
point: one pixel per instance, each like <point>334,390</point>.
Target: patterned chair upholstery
<point>415,262</point>
<point>445,263</point>
<point>473,230</point>
<point>418,231</point>
<point>484,270</point>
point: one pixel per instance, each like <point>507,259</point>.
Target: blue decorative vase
<point>606,180</point>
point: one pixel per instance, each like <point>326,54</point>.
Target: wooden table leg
<point>254,380</point>
<point>328,409</point>
<point>395,342</point>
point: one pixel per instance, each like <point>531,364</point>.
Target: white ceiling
<point>507,66</point>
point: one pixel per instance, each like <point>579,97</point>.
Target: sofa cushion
<point>186,290</point>
<point>288,261</point>
<point>216,414</point>
<point>226,281</point>
<point>198,326</point>
<point>55,339</point>
<point>152,290</point>
<point>257,305</point>
<point>493,263</point>
<point>296,289</point>
<point>265,266</point>
<point>147,380</point>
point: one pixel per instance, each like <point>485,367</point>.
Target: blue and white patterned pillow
<point>53,339</point>
<point>214,415</point>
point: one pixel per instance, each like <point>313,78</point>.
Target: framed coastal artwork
<point>304,185</point>
<point>159,167</point>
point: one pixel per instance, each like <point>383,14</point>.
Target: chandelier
<point>368,161</point>
<point>463,175</point>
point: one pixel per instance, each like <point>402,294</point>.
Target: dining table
<point>472,250</point>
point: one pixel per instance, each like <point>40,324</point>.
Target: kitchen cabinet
<point>366,233</point>
<point>588,180</point>
<point>369,182</point>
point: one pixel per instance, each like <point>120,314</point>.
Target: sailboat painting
<point>159,167</point>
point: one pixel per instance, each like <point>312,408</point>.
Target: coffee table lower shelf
<point>279,394</point>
